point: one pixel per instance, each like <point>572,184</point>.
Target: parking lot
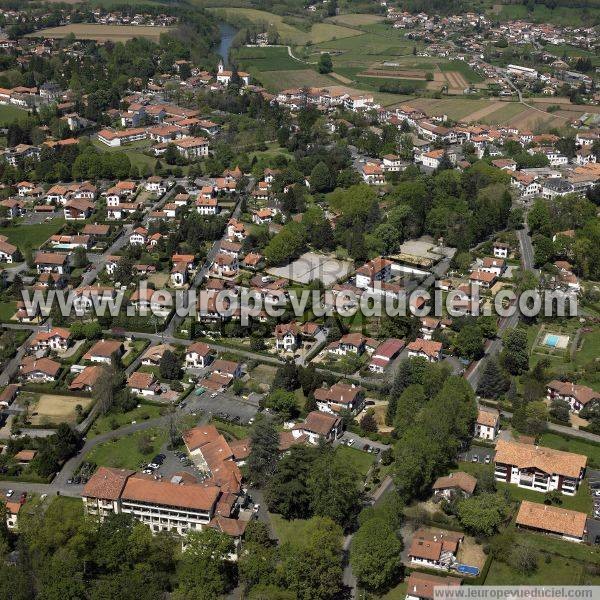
<point>223,405</point>
<point>594,479</point>
<point>479,454</point>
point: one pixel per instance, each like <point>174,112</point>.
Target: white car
<point>351,442</point>
<point>214,395</point>
<point>9,493</point>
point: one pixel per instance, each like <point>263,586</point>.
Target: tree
<point>483,514</point>
<point>334,488</point>
<point>375,555</point>
<point>287,491</point>
<point>469,342</point>
<point>559,410</point>
<point>283,403</point>
<point>203,572</point>
<point>256,564</point>
<point>524,559</point>
<point>368,422</point>
<point>411,401</point>
<point>80,258</point>
<point>321,179</point>
<point>102,390</point>
<point>493,382</point>
<point>515,357</point>
<point>286,377</point>
<point>310,564</point>
<point>325,63</point>
<point>169,366</point>
<point>264,450</point>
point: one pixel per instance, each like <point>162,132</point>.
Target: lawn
<point>128,452</point>
<point>558,571</point>
<point>356,19</point>
<point>112,421</point>
<point>360,461</point>
<point>32,236</point>
<point>288,531</point>
<point>319,32</point>
<point>7,310</point>
<point>461,67</point>
<point>10,114</point>
<point>231,430</point>
<point>504,114</point>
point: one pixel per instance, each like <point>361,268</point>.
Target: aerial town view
<point>299,299</point>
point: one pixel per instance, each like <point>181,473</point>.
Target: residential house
<point>501,250</point>
<point>40,370</point>
<point>497,266</point>
<point>429,350</point>
<point>103,351</point>
<point>139,236</point>
<point>85,381</point>
<point>319,426</point>
<point>455,484</point>
<point>436,550</point>
<point>52,262</point>
<point>154,354</point>
<point>384,354</point>
<point>378,269</point>
<point>56,339</point>
<point>143,384</point>
<point>340,396</point>
<point>421,586</point>
<point>287,336</point>
<point>198,355</point>
<point>556,521</point>
<point>487,424</point>
<point>576,396</point>
<point>373,174</point>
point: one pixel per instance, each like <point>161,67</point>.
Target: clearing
<point>102,33</point>
<point>55,409</point>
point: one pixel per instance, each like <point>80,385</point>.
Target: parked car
<point>9,493</point>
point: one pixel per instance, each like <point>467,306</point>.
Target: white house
<point>487,424</point>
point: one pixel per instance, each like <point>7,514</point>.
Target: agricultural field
<point>54,409</point>
<point>11,114</point>
<point>257,60</point>
<point>102,33</point>
<point>276,81</point>
<point>561,15</point>
<point>356,19</point>
<point>319,32</point>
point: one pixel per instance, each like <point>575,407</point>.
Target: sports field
<point>319,32</point>
<point>55,409</point>
<point>102,33</point>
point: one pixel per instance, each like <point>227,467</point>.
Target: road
<point>176,319</point>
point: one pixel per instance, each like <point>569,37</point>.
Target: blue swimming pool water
<point>552,340</point>
<point>468,570</point>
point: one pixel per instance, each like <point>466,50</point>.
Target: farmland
<point>102,33</point>
<point>257,60</point>
<point>319,32</point>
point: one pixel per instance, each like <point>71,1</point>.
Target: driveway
<point>359,441</point>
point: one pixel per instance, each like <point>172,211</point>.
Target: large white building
<point>538,468</point>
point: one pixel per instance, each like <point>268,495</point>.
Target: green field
<point>276,81</point>
<point>125,453</point>
<point>267,59</point>
<point>356,19</point>
<point>319,32</point>
<point>504,114</point>
<point>32,236</point>
<point>10,114</point>
<point>461,67</point>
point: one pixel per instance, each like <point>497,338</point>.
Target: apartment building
<point>538,468</point>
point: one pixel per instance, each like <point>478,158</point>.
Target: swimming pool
<point>467,570</point>
<point>552,340</point>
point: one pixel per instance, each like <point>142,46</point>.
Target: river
<point>228,32</point>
